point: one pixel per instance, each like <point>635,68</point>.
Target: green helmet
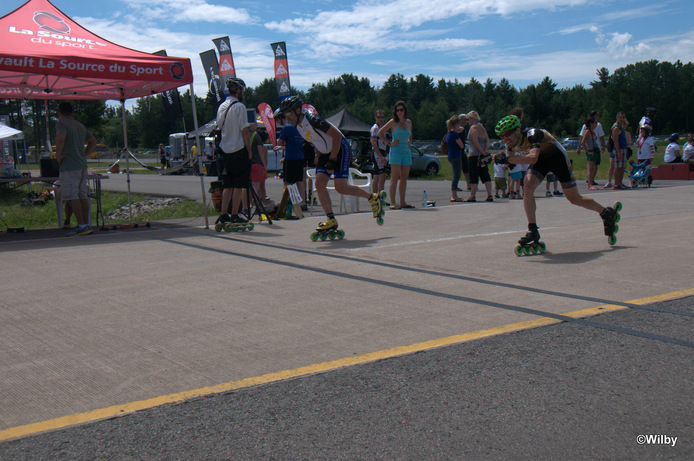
<point>508,123</point>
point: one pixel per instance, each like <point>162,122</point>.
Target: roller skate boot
<point>610,217</point>
<point>530,242</point>
<point>222,220</point>
<point>238,224</point>
<point>327,230</point>
<point>377,202</point>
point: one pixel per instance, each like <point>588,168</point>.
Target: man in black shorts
<point>232,120</point>
<point>544,154</point>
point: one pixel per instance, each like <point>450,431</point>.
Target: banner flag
<point>265,112</point>
<point>171,99</point>
<point>226,60</point>
<point>211,66</point>
<point>281,69</point>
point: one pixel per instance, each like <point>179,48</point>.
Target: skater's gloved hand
<point>331,165</point>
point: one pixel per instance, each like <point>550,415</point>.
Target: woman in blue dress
<point>400,156</point>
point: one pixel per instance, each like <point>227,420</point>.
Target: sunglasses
<point>400,109</point>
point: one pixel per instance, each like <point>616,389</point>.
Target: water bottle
<point>424,199</point>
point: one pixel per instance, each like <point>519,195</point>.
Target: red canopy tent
<point>46,55</point>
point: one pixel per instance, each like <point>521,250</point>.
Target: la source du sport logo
<point>54,26</point>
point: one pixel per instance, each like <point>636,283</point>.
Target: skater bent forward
<point>334,157</point>
<point>544,153</point>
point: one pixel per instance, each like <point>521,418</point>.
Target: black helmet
<point>290,103</point>
<point>234,84</point>
<point>650,111</point>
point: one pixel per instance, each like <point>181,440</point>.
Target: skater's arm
<point>529,158</point>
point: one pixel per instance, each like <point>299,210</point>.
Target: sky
<point>520,40</point>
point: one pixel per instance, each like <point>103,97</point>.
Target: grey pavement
<point>149,315</point>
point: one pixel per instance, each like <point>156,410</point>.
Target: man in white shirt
<point>232,120</point>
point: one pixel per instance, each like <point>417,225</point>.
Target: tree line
<point>665,85</point>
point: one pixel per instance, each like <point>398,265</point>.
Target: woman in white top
<point>688,154</point>
<point>672,151</point>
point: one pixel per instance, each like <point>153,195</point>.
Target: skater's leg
<point>226,200</point>
<point>322,193</point>
<point>574,196</point>
<point>236,200</point>
<point>342,187</point>
<point>529,185</point>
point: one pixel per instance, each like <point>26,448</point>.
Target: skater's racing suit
<point>314,129</point>
<point>553,157</point>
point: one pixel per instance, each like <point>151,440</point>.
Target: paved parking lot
<point>148,316</point>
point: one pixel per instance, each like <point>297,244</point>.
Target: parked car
<point>424,163</point>
<point>427,164</point>
<point>570,144</point>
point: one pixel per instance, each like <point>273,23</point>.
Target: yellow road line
<point>119,410</point>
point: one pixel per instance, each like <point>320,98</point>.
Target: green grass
<point>17,214</point>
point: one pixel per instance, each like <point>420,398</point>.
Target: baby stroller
<point>640,174</point>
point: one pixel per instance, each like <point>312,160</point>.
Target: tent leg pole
<point>127,159</point>
<point>199,159</point>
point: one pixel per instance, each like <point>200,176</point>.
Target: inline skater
<point>543,153</point>
<point>333,157</point>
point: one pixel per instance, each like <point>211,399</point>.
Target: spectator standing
<point>379,151</point>
<point>293,163</point>
<point>645,146</point>
<point>162,157</point>
<point>455,150</point>
<point>478,140</point>
<point>591,146</point>
<point>621,139</point>
<point>600,134</point>
<point>672,151</point>
<point>400,156</point>
<point>72,154</point>
<point>258,159</point>
<point>209,152</point>
<point>235,145</point>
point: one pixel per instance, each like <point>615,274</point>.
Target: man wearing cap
<point>232,120</point>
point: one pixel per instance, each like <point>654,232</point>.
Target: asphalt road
<point>564,391</point>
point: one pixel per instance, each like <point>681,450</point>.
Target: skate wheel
<point>379,221</point>
<point>383,195</point>
<point>534,248</point>
<point>218,227</point>
<point>228,227</point>
<point>340,234</point>
<point>251,226</point>
<point>542,247</point>
<point>617,217</point>
<point>617,206</point>
<point>314,237</point>
<point>323,237</point>
<point>332,235</point>
<point>612,239</point>
<point>518,250</point>
<point>526,250</point>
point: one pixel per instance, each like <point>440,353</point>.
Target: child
<point>515,174</point>
<point>500,180</point>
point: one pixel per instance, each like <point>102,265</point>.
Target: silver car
<point>424,163</point>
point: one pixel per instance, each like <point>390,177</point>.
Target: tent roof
<point>46,55</point>
<point>7,132</point>
<point>349,124</point>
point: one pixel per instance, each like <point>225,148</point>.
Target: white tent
<point>10,134</point>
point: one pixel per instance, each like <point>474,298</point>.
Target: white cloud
<point>186,11</point>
